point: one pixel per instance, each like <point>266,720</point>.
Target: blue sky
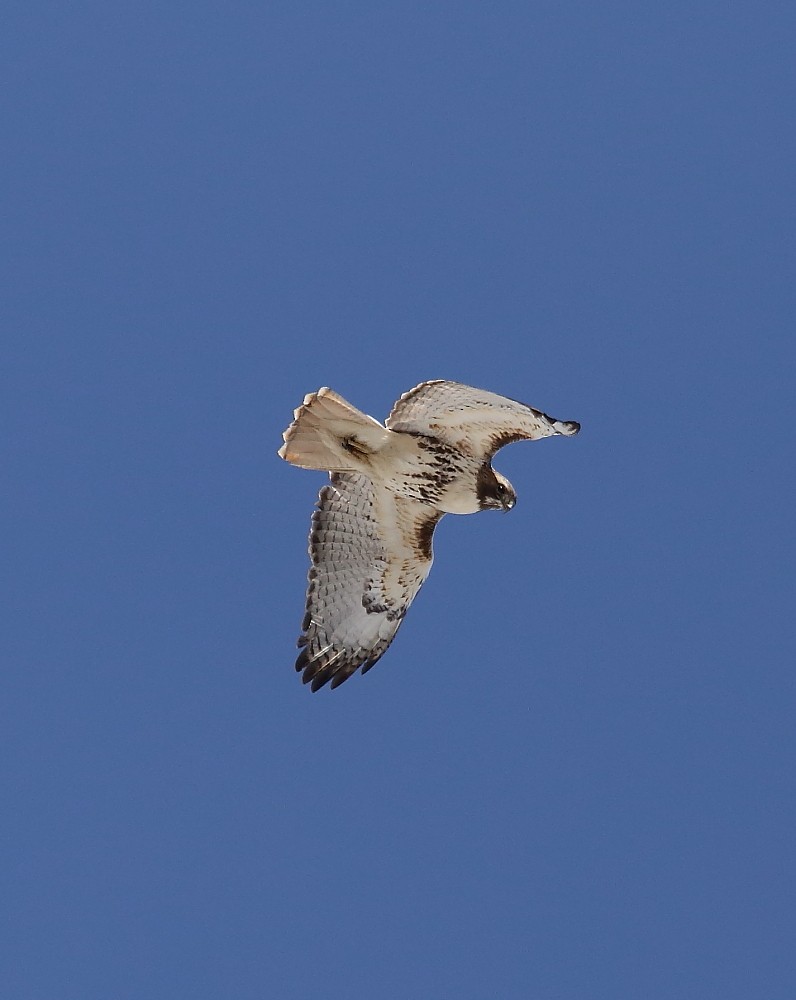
<point>572,775</point>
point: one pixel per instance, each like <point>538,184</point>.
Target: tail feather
<point>328,433</point>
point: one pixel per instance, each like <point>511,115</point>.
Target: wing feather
<point>370,552</point>
<point>473,420</point>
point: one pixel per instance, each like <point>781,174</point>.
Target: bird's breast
<point>426,470</point>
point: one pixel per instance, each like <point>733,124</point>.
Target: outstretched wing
<point>371,552</point>
<point>472,420</point>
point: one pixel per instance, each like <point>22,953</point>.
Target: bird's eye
<point>501,489</point>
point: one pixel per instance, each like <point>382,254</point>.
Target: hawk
<point>370,541</point>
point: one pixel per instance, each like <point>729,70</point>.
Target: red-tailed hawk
<point>370,542</point>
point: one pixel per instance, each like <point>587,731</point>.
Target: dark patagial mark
<point>500,440</point>
<point>424,531</point>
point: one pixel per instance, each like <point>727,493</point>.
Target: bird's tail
<point>329,433</point>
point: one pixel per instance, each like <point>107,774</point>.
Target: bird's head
<point>495,492</point>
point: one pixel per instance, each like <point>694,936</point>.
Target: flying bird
<point>370,541</point>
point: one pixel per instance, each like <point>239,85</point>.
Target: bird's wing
<point>370,552</point>
<point>473,420</point>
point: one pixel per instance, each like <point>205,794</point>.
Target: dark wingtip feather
<point>370,663</point>
<point>318,670</point>
<point>321,678</point>
<point>340,677</point>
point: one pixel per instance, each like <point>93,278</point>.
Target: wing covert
<point>474,420</point>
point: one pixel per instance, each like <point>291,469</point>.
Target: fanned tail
<point>329,433</point>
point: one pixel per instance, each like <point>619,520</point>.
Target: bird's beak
<point>508,505</point>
